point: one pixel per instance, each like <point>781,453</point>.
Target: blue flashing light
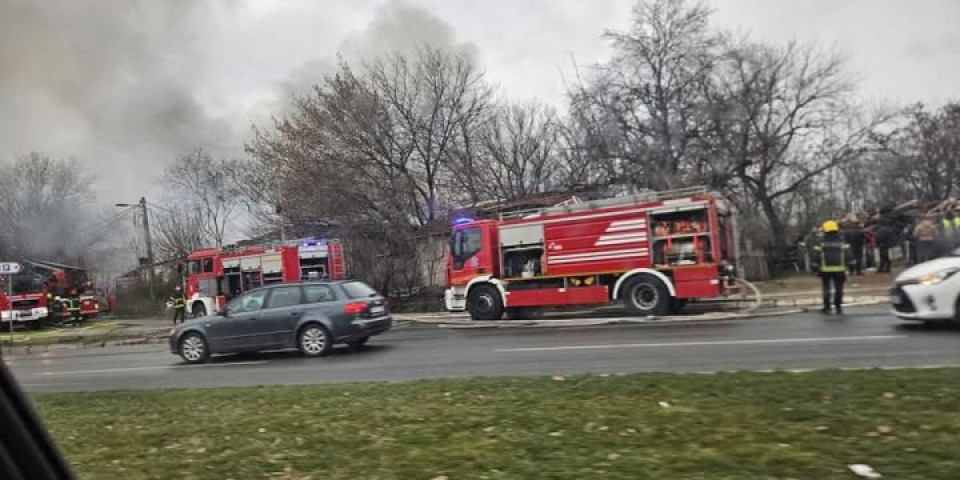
<point>462,220</point>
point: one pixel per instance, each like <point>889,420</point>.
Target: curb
<point>90,341</point>
<point>560,323</point>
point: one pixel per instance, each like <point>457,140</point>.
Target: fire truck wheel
<point>646,295</point>
<point>193,348</point>
<point>199,310</point>
<point>484,303</point>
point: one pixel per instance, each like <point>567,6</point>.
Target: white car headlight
<point>934,278</point>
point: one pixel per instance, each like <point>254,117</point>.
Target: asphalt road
<point>865,337</point>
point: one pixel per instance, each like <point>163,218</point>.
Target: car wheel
<point>314,340</point>
<point>359,343</point>
<point>193,348</point>
<point>646,295</point>
<point>199,310</point>
<point>484,303</point>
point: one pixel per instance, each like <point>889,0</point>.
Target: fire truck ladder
<point>575,204</point>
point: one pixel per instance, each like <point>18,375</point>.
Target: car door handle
<point>296,314</point>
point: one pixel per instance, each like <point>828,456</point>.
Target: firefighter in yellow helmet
<point>830,259</point>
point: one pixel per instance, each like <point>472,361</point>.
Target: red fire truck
<point>216,275</point>
<point>28,301</point>
<point>653,252</point>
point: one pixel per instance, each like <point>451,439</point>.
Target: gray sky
<point>126,86</point>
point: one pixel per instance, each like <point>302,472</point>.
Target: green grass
<point>905,424</point>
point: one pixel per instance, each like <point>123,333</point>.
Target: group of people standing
<point>848,246</point>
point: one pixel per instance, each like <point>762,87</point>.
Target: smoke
<point>397,27</point>
<point>108,82</point>
<point>123,86</point>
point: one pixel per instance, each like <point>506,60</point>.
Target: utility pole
<point>151,273</point>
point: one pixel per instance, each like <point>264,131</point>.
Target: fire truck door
<point>465,245</point>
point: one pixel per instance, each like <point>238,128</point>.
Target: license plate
<point>895,299</point>
<point>377,310</point>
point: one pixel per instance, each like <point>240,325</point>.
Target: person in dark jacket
<point>853,235</point>
<point>886,239</point>
<point>831,258</point>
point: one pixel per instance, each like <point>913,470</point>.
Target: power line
<point>101,223</point>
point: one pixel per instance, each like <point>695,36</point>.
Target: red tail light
<point>355,308</point>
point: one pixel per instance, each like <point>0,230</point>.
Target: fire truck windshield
<point>200,265</point>
<point>27,283</point>
<point>464,244</point>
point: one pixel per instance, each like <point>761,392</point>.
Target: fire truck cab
<point>217,275</point>
<point>652,252</point>
<point>28,302</point>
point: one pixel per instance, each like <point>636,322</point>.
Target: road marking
<point>157,367</point>
<point>701,344</point>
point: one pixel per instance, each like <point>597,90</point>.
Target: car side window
<point>250,302</point>
<point>318,294</point>
<point>284,297</point>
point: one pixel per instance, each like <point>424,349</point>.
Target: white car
<point>929,291</point>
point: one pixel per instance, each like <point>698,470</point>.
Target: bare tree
<point>205,185</point>
<point>644,106</point>
<point>781,118</point>
<point>512,154</point>
<point>921,159</point>
<point>44,206</point>
<point>369,153</point>
<point>177,231</point>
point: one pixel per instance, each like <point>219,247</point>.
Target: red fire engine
<point>28,300</point>
<point>654,252</point>
<point>216,275</point>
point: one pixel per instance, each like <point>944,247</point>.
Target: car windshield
<point>359,290</point>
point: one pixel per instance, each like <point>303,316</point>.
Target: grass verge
<point>905,424</point>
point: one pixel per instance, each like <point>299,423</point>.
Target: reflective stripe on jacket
<point>178,301</point>
<point>832,256</point>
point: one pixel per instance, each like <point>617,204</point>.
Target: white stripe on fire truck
<point>621,223</point>
<point>594,254</point>
<point>623,228</point>
<point>594,259</point>
<point>619,241</point>
<point>618,236</point>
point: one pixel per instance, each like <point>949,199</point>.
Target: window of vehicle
<point>359,290</point>
<point>284,297</point>
<point>247,303</point>
<point>208,265</point>
<point>464,244</point>
<point>193,267</point>
<point>318,294</point>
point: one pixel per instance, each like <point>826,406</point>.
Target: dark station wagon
<point>309,316</point>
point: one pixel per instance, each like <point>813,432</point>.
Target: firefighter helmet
<point>830,226</point>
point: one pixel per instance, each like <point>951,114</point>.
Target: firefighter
<point>831,258</point>
<point>179,303</point>
<point>52,307</point>
<point>76,317</point>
